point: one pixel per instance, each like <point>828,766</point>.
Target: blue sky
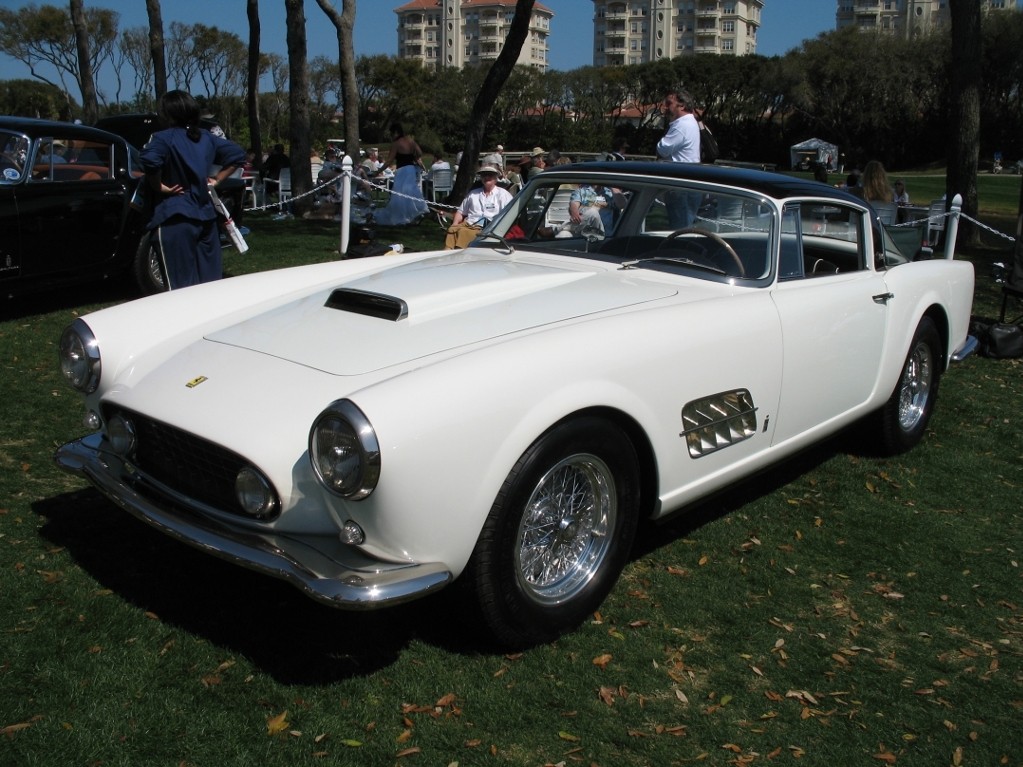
<point>785,24</point>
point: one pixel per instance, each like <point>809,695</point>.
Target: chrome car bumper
<point>356,583</point>
<point>969,347</point>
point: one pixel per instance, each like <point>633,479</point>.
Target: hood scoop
<point>368,304</point>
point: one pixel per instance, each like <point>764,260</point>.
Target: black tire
<point>148,267</point>
<point>578,486</point>
<point>904,418</point>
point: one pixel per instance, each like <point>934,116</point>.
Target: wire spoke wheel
<point>915,387</point>
<point>564,535</point>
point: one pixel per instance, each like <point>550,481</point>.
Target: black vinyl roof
<point>776,185</point>
<point>32,127</point>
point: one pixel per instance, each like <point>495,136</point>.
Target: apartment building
<point>456,33</point>
<point>638,31</point>
<point>905,18</point>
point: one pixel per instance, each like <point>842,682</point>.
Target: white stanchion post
<point>346,204</point>
<point>952,226</point>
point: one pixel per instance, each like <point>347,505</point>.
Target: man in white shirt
<point>477,209</point>
<point>681,143</point>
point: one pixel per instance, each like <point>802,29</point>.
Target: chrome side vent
<point>718,421</point>
<point>368,304</point>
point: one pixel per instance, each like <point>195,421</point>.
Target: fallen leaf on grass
<point>408,752</point>
<point>801,695</point>
<point>277,724</point>
<point>607,694</point>
<point>601,661</point>
<point>13,728</point>
<point>885,756</point>
<point>569,737</point>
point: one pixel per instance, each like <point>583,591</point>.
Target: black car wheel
<point>148,266</point>
<point>558,533</point>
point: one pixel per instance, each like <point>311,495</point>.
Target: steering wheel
<point>713,236</point>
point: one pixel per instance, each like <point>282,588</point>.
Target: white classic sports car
<point>621,341</point>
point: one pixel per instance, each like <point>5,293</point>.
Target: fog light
<point>352,534</point>
<point>92,421</point>
<point>254,493</point>
<point>121,434</point>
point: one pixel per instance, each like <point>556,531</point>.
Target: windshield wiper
<point>508,249</point>
<point>673,260</point>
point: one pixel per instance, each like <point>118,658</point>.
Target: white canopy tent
<point>814,150</point>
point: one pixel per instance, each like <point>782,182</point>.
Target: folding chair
<point>284,185</point>
<point>935,222</point>
<point>440,183</point>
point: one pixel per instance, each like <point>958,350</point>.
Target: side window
<point>63,159</point>
<point>791,264</point>
<point>831,237</point>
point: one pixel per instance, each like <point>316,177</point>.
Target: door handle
<point>883,298</point>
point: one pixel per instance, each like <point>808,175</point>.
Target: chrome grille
<point>189,465</point>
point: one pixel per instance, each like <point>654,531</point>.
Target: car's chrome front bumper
<point>356,583</point>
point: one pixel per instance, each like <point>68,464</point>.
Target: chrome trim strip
<point>344,585</point>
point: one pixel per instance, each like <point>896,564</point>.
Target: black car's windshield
<point>712,233</point>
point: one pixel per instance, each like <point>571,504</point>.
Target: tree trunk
<point>252,93</point>
<point>87,83</point>
<point>964,122</point>
<point>344,23</point>
<point>487,96</point>
<point>298,101</point>
<point>156,49</point>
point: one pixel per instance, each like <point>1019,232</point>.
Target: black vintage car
<point>70,207</point>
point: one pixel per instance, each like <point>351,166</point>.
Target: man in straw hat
<point>477,209</point>
<point>532,164</point>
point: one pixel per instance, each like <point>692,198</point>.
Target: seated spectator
<point>276,161</point>
<point>477,209</point>
<point>439,163</point>
<point>899,195</point>
<point>589,210</point>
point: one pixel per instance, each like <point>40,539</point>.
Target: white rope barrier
<point>337,182</point>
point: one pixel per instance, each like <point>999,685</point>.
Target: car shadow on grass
<point>287,635</point>
<point>654,535</point>
<point>292,638</point>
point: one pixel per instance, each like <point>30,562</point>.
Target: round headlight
<point>344,451</point>
<point>79,357</point>
<point>255,494</point>
<point>121,434</point>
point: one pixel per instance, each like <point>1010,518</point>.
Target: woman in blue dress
<point>177,162</point>
<point>406,204</point>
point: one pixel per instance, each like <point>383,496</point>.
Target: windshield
<point>719,234</point>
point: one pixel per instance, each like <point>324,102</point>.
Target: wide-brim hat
<point>537,152</point>
<point>489,169</point>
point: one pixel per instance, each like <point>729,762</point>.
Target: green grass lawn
<point>839,610</point>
